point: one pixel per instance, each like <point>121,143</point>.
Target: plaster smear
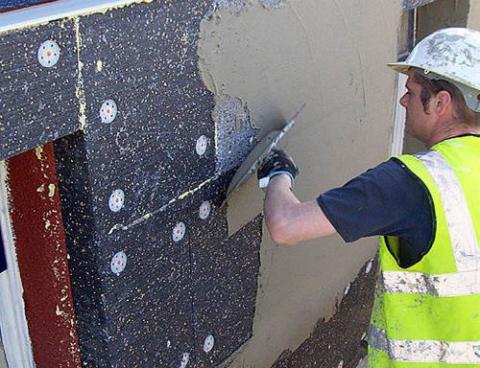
<point>237,7</point>
<point>330,55</point>
<point>80,88</point>
<point>234,134</point>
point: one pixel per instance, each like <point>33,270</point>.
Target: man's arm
<point>290,221</point>
<point>385,200</point>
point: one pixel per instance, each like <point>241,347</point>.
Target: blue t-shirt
<point>386,200</point>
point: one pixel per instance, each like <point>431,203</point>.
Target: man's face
<point>418,122</point>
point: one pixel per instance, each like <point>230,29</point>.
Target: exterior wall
<point>442,14</point>
<point>228,71</point>
<point>275,56</point>
<point>474,15</point>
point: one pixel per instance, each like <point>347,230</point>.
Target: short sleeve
<point>386,200</point>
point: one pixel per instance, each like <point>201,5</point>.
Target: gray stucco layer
<point>38,103</point>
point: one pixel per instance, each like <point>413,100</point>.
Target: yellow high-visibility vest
<point>428,315</point>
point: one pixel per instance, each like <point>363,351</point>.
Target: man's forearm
<point>290,221</point>
<point>278,202</point>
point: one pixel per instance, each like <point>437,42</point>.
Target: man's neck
<point>451,131</point>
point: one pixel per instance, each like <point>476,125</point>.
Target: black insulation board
<point>163,108</point>
<point>171,295</point>
<point>37,104</point>
<point>148,306</point>
<point>224,273</point>
<point>77,212</point>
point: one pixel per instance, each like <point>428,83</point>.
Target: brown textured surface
<point>42,258</point>
<point>339,339</point>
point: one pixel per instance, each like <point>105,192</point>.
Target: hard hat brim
<point>403,67</point>
<point>400,67</point>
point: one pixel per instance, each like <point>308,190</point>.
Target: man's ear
<point>442,103</point>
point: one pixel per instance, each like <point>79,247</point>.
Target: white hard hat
<point>452,54</point>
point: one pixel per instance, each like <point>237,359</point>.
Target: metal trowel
<point>259,152</point>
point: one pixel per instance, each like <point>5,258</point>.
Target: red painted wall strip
<point>42,258</point>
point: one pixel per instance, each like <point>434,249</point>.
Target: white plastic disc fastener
<point>204,210</point>
<point>208,344</point>
<point>108,111</point>
<point>178,232</point>
<point>117,200</point>
<point>119,262</point>
<point>48,53</point>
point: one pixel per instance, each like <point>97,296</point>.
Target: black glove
<point>276,163</point>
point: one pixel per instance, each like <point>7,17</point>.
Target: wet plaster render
<point>330,55</point>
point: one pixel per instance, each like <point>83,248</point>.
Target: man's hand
<point>277,163</point>
<point>288,220</point>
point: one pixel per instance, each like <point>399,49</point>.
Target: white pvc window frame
<point>47,12</point>
<point>13,323</point>
<point>399,118</point>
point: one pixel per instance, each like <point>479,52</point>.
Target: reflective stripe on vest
<point>425,351</point>
<point>462,236</point>
<point>459,222</point>
<point>455,284</point>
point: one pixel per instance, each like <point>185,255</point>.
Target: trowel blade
<point>259,152</point>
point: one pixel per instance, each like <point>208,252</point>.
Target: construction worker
<point>425,207</point>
